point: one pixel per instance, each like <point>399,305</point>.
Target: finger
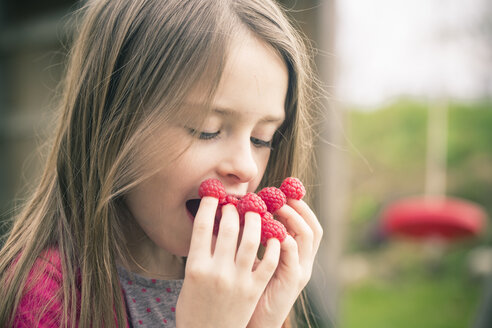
<point>225,247</point>
<point>300,230</point>
<point>305,211</point>
<point>250,241</point>
<point>268,264</point>
<point>201,237</point>
<point>289,252</point>
<point>257,262</point>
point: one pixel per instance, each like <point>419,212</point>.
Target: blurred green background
<point>399,284</point>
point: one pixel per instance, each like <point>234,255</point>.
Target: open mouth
<point>192,206</point>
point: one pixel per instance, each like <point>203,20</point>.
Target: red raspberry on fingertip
<point>271,228</point>
<point>293,188</point>
<point>266,216</point>
<point>230,199</point>
<point>251,202</point>
<point>213,188</point>
<point>273,197</point>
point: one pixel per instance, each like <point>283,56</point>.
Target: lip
<point>238,196</point>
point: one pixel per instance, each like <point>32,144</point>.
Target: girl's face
<point>233,145</point>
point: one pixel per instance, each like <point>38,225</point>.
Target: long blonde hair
<point>131,66</point>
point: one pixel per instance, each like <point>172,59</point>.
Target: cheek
<point>140,203</point>
<point>262,162</point>
<point>147,200</point>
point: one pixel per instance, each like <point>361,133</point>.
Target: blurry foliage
<point>414,297</point>
<point>390,154</point>
<point>388,163</point>
<point>470,154</point>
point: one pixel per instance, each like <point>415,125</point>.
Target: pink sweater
<point>45,296</point>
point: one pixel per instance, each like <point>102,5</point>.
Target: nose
<point>238,163</point>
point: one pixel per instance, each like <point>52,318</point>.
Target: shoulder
<point>46,273</point>
<point>41,304</point>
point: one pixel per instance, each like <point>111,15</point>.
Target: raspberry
<point>251,202</point>
<point>272,200</point>
<point>271,228</point>
<point>273,197</point>
<point>213,188</point>
<point>231,200</point>
<point>293,188</point>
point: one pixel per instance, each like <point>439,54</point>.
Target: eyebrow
<point>224,111</point>
<point>228,112</point>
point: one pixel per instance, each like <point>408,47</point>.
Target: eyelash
<point>212,135</point>
<point>261,143</point>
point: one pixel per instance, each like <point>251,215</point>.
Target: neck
<point>145,258</point>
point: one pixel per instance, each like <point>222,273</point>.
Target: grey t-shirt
<point>149,302</point>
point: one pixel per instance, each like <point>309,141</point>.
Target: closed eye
<point>261,143</point>
<point>203,135</point>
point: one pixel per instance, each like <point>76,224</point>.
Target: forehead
<point>254,81</point>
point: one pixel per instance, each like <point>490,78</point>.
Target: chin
<point>180,249</point>
<point>182,252</point>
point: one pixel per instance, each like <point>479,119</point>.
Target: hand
<point>295,266</point>
<point>220,288</point>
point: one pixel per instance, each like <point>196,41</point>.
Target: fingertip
<point>288,243</point>
<point>289,239</point>
<point>206,213</point>
<point>273,242</point>
<point>208,200</point>
<point>273,247</point>
<point>252,226</point>
<point>295,203</point>
<point>229,208</point>
<point>252,216</point>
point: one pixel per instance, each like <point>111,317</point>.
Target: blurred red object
<point>440,217</point>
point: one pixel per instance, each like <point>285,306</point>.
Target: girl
<point>159,96</point>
